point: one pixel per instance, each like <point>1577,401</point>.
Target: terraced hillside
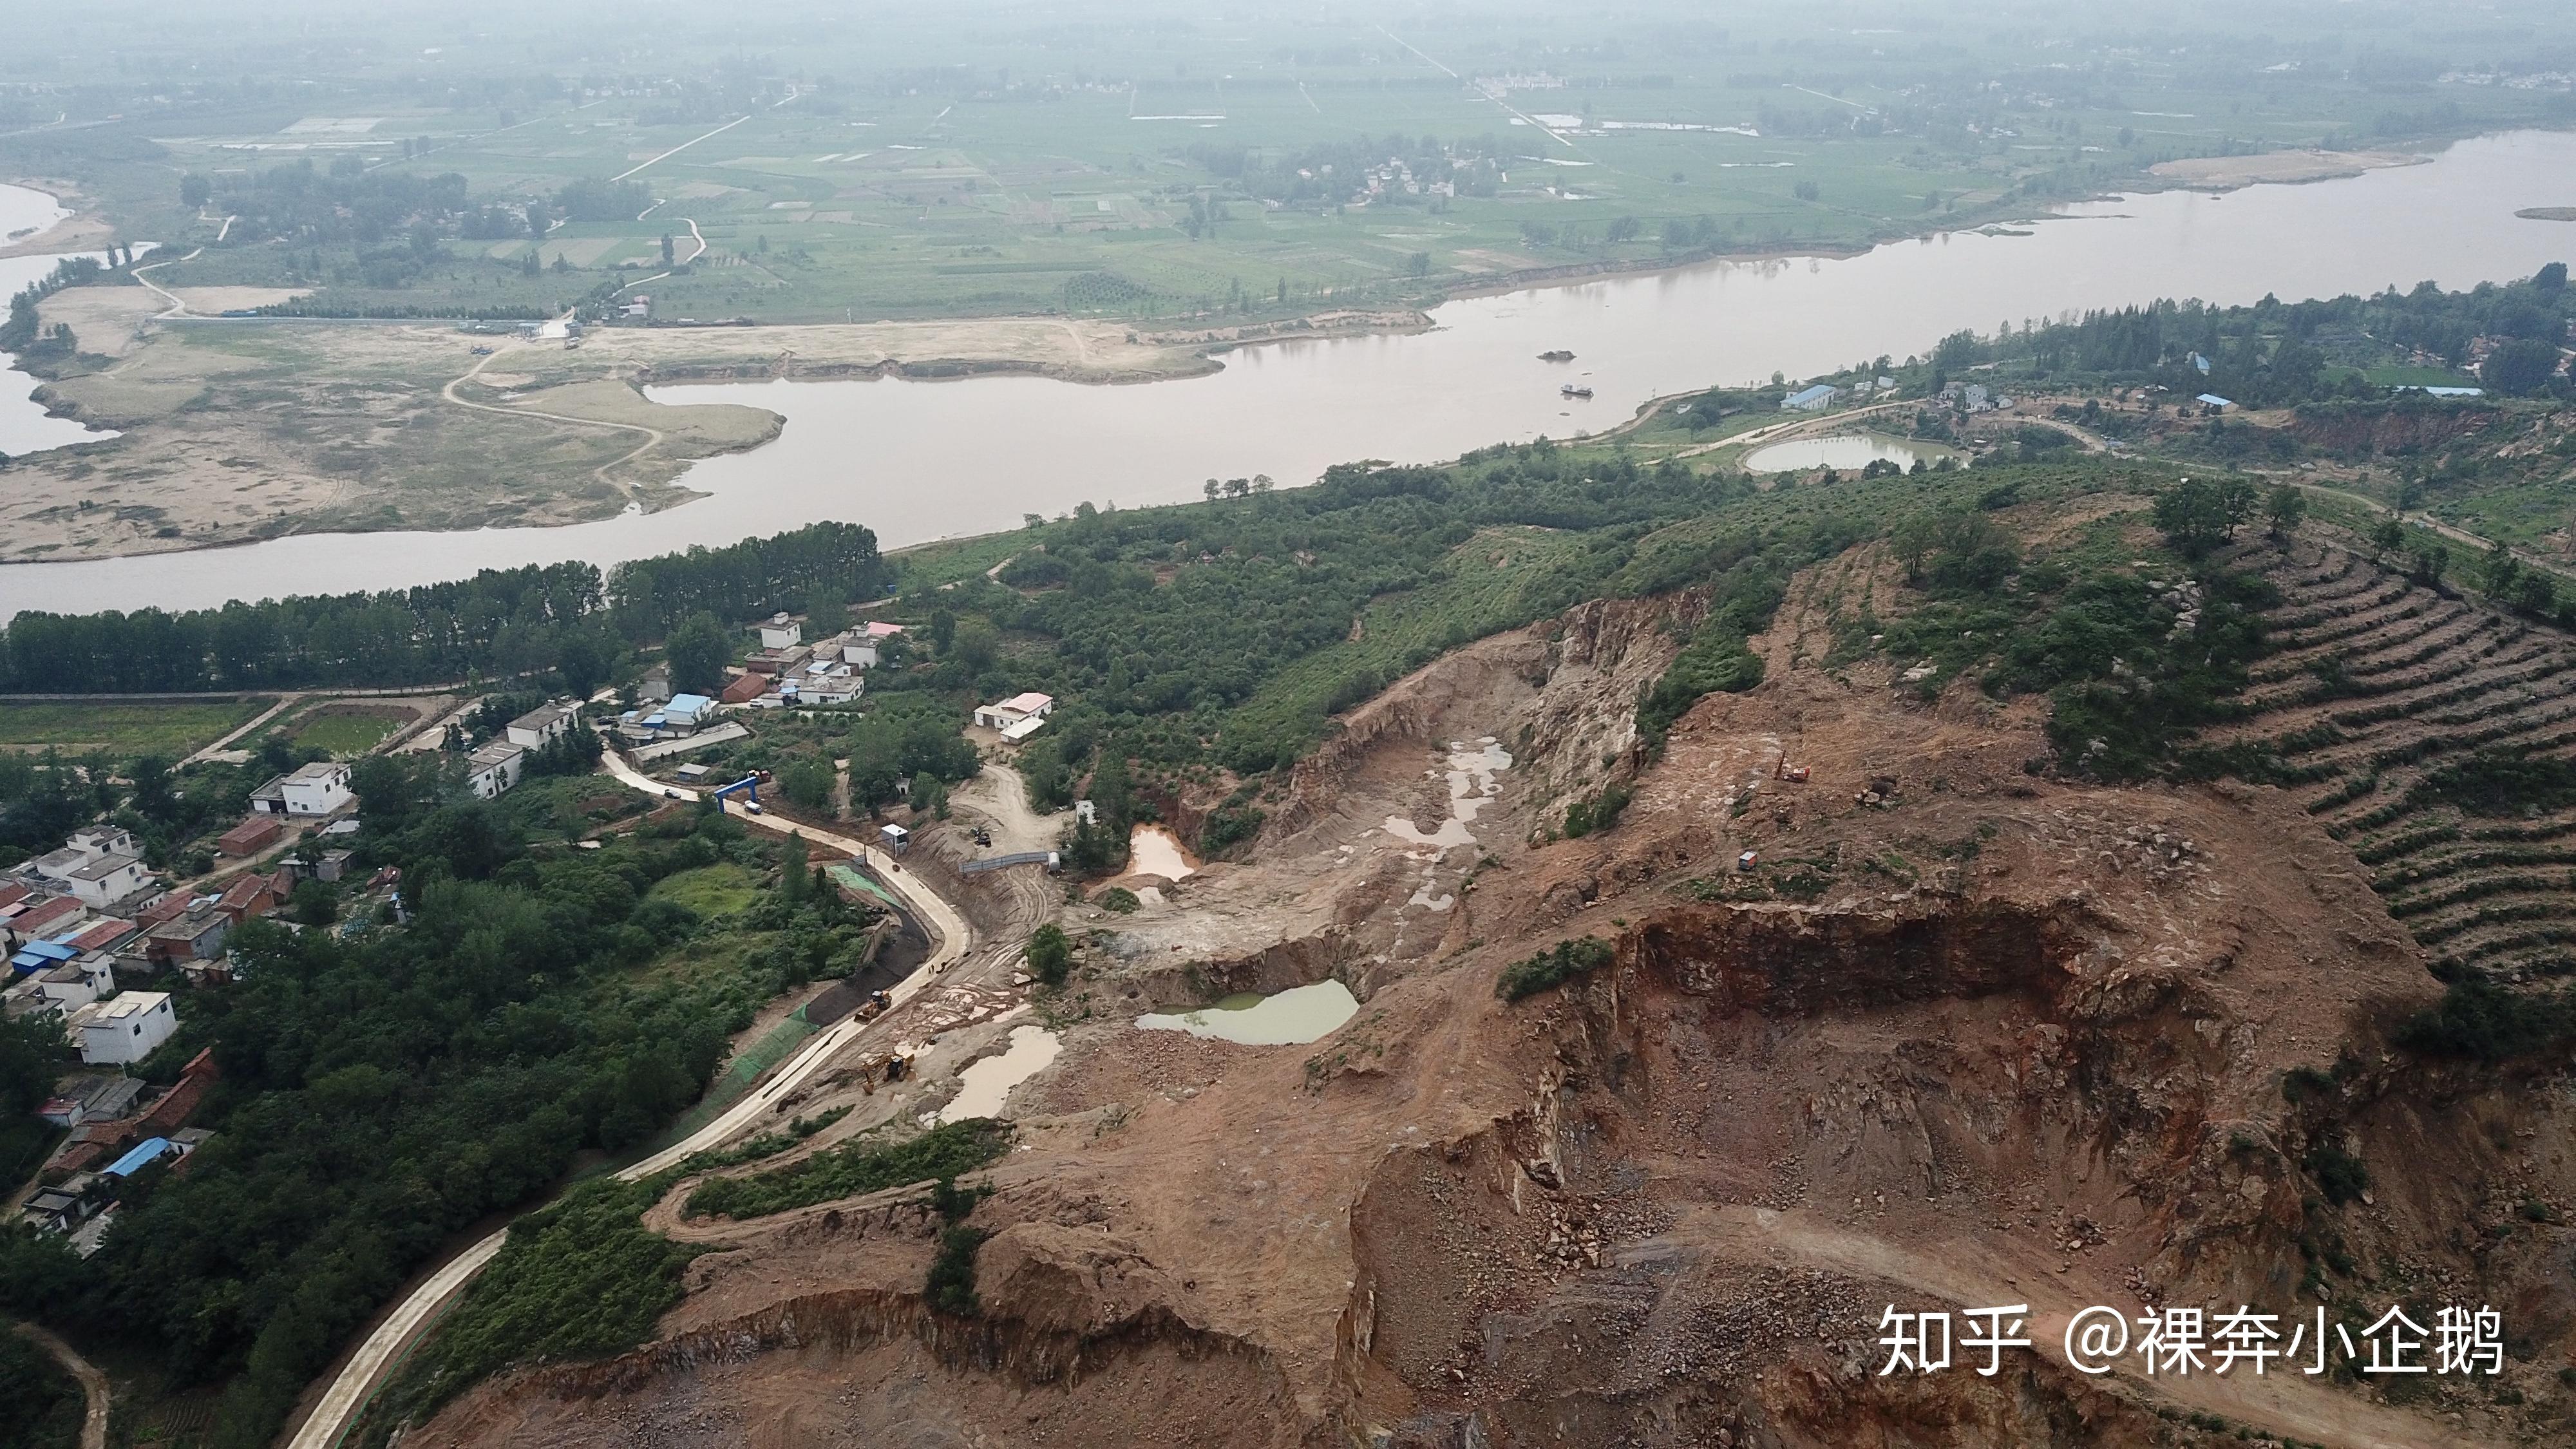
<point>2432,734</point>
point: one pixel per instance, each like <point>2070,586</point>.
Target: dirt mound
<point>1961,1035</point>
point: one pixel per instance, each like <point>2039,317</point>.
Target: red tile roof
<point>11,893</point>
<point>99,935</point>
<point>745,689</point>
<point>169,907</point>
<point>175,1108</point>
<point>42,918</point>
<point>248,837</point>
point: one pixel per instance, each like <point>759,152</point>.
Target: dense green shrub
<point>40,1405</point>
<point>863,1166</point>
<point>578,1278</point>
<point>2484,1022</point>
<point>1552,967</point>
<point>2340,1175</point>
<point>2499,782</point>
<point>1050,954</point>
<point>1596,812</point>
<point>951,1288</point>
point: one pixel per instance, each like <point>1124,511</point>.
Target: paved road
<point>93,1384</point>
<point>348,1392</point>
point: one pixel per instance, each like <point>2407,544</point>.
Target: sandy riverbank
<point>2227,173</point>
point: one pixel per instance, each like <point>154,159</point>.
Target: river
<point>24,427</point>
<point>924,460</point>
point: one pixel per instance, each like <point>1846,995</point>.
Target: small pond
<point>1290,1018</point>
<point>1842,452</point>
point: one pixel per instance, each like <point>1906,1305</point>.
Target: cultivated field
<point>2409,720</point>
<point>169,728</point>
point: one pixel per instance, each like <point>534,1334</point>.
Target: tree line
<point>2275,354</point>
<point>500,622</point>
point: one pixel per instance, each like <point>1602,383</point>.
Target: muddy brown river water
<point>924,460</point>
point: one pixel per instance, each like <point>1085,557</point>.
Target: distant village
<point>99,942</point>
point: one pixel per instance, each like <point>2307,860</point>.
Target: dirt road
<point>338,1407</point>
<point>93,1383</point>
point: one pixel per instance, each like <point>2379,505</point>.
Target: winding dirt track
<point>93,1384</point>
<point>652,436</point>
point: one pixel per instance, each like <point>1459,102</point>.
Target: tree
<point>2498,571</point>
<point>154,794</point>
<point>827,610</point>
<point>195,191</point>
<point>2283,509</point>
<point>698,651</point>
<point>1050,954</point>
<point>32,1054</point>
<point>2550,280</point>
<point>2520,367</point>
<point>584,659</point>
<point>2535,594</point>
<point>2194,516</point>
<point>978,643</point>
<point>670,252</point>
<point>943,630</point>
<point>807,783</point>
<point>313,903</point>
<point>792,858</point>
<point>2386,537</point>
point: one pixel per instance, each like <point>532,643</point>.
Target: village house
<point>68,987</point>
<point>91,1097</point>
<point>249,838</point>
<point>319,788</point>
<point>249,897</point>
<point>96,866</point>
<point>196,934</point>
<point>1810,400</point>
<point>541,726</point>
<point>656,687</point>
<point>45,917</point>
<point>863,646</point>
<point>824,682</point>
<point>783,631</point>
<point>1018,717</point>
<point>124,1029</point>
<point>745,688</point>
<point>495,768</point>
<point>683,714</point>
<point>329,866</point>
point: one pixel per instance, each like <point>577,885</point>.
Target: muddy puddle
<point>1153,850</point>
<point>983,1086</point>
<point>1289,1018</point>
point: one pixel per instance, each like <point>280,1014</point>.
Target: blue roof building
<point>2211,399</point>
<point>40,956</point>
<point>145,1153</point>
<point>1810,400</point>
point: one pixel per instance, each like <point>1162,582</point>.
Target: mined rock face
<point>1995,1038</point>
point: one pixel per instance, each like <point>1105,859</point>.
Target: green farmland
<point>167,728</point>
<point>1150,165</point>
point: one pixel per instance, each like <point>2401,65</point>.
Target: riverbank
<point>75,230</point>
<point>2278,168</point>
<point>917,462</point>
